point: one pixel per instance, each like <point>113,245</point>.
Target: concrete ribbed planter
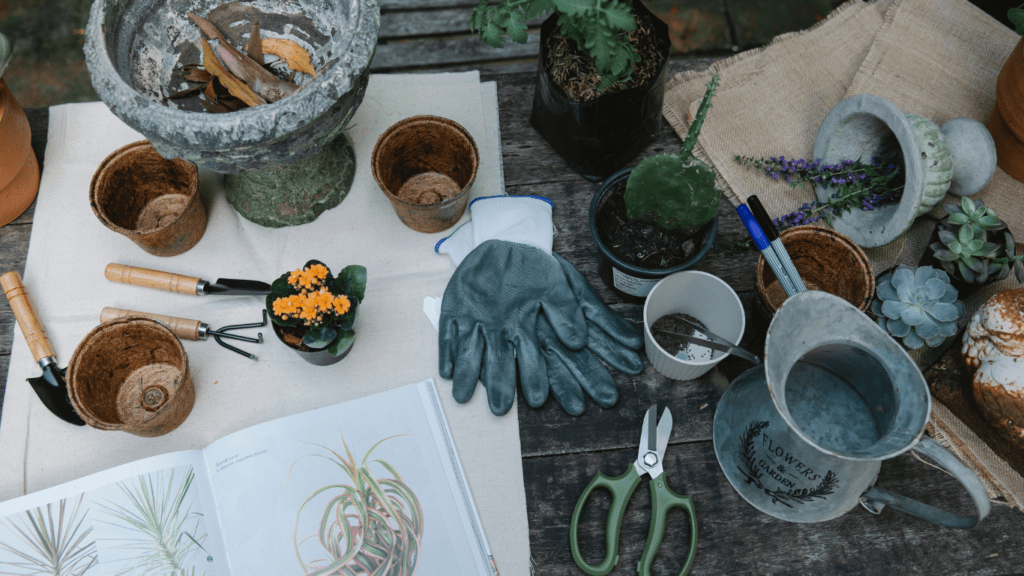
<point>961,155</point>
<point>133,48</point>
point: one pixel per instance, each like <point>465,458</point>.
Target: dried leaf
<point>213,106</point>
<point>236,87</point>
<point>209,29</point>
<point>210,91</point>
<point>291,52</point>
<point>258,79</point>
<point>194,73</point>
<point>254,49</point>
<point>185,93</point>
<point>231,103</point>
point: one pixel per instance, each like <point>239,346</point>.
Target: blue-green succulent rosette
<point>320,308</point>
<point>919,306</point>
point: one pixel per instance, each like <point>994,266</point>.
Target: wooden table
<point>561,453</point>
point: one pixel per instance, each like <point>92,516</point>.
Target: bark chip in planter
<point>152,201</point>
<point>425,166</point>
<point>131,374</point>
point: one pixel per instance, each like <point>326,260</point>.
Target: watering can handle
<point>874,499</point>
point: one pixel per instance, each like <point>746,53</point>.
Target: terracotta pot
<point>320,357</point>
<point>131,374</point>
<point>827,261</point>
<point>425,166</point>
<point>19,170</point>
<point>1006,123</point>
<point>152,201</point>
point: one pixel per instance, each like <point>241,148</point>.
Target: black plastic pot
<point>319,357</point>
<point>599,136</point>
<point>633,283</point>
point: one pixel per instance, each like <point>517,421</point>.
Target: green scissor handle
<point>664,499</point>
<point>621,488</point>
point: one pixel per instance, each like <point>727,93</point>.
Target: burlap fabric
<point>935,58</point>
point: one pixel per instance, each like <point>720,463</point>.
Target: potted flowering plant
<point>600,77</point>
<point>313,311</point>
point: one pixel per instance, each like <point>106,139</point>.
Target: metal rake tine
<point>232,348</point>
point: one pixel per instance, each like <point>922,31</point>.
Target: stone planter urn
<point>959,158</point>
<point>287,161</point>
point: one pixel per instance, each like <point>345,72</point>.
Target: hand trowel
<point>51,387</point>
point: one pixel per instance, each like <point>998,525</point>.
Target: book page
<point>357,485</point>
<point>153,516</point>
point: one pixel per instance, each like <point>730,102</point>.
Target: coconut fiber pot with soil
<point>597,106</point>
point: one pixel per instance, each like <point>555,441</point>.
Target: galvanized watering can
<point>802,436</point>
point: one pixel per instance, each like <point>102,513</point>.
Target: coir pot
<point>630,282</point>
<point>598,136</point>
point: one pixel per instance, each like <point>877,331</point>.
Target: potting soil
<point>640,243</point>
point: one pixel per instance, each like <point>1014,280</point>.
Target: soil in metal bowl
<point>640,243</point>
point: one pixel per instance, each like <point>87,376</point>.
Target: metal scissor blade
<point>648,438</point>
<point>664,432</point>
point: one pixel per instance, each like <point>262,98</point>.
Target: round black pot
<point>633,283</point>
<point>599,136</point>
<point>319,357</point>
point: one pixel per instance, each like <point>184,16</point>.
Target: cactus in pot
<point>675,191</point>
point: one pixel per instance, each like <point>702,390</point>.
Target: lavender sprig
<point>857,185</point>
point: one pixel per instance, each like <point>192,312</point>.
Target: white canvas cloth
<point>395,344</point>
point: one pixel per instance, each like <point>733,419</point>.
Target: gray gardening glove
<point>489,316</point>
<point>571,372</point>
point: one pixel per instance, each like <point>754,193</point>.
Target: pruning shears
<point>653,442</point>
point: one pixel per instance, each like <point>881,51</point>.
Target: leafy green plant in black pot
<point>657,218</point>
<point>313,311</point>
<point>974,246</point>
<point>600,77</point>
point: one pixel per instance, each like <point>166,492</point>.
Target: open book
<point>347,490</point>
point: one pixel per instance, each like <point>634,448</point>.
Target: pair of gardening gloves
<point>515,309</point>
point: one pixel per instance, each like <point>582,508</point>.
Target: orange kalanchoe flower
<point>308,278</point>
<point>342,304</point>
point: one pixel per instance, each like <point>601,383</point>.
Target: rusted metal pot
<point>802,437</point>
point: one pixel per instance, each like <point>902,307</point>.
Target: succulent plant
<point>318,307</point>
<point>975,245</point>
<point>917,305</point>
<point>675,191</point>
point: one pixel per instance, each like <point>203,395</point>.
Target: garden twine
<point>935,58</point>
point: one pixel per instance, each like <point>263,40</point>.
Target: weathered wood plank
<point>411,24</point>
<point>420,53</point>
<point>735,538</point>
<point>13,250</point>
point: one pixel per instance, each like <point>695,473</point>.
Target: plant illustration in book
<point>369,522</point>
<point>160,531</point>
<point>50,539</point>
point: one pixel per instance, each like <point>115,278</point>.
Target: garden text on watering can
<point>802,436</point>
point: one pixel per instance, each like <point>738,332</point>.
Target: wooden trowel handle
<point>31,328</point>
<point>152,279</point>
<point>182,327</point>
